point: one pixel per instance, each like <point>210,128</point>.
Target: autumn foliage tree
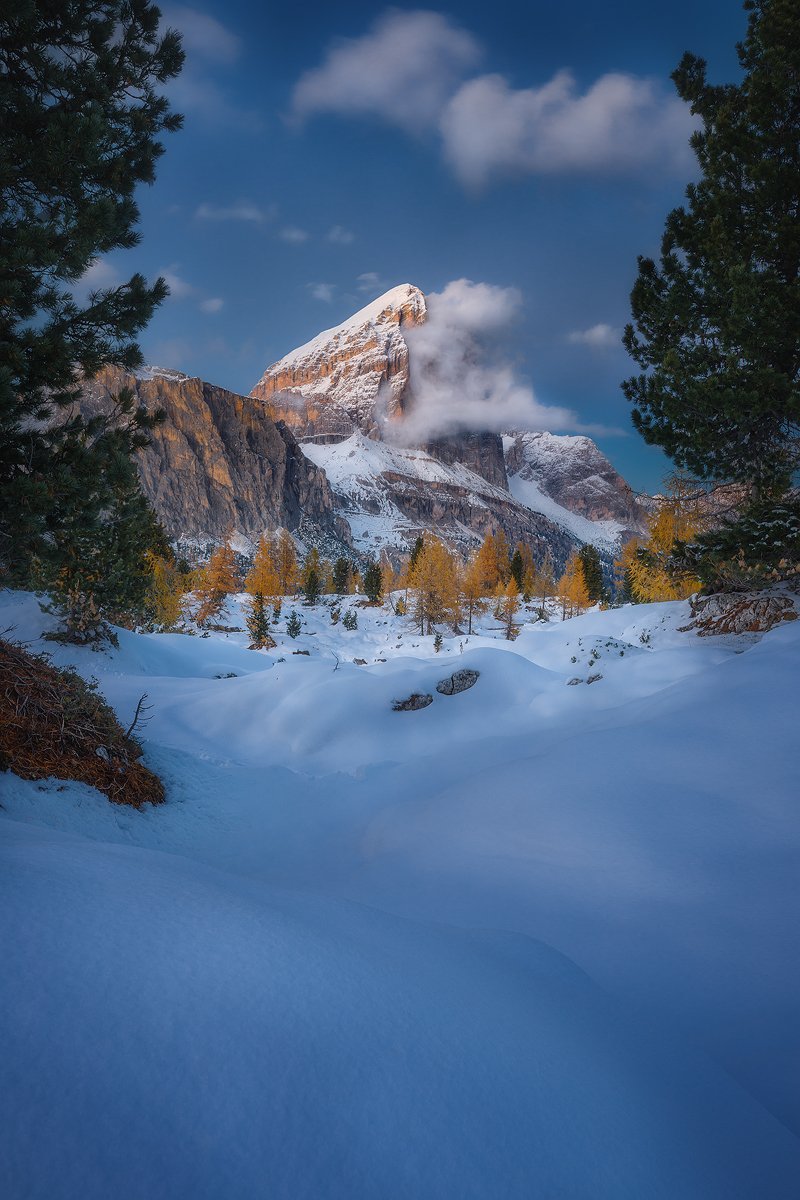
<point>285,558</point>
<point>435,583</point>
<point>572,591</point>
<point>218,580</point>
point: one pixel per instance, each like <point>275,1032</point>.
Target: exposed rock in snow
<point>459,681</point>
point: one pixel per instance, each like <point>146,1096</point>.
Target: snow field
<point>535,939</point>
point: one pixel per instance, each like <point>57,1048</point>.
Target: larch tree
<point>472,590</point>
<point>434,580</point>
<point>286,563</point>
<point>262,578</point>
<point>572,590</point>
<point>511,606</point>
<point>218,580</point>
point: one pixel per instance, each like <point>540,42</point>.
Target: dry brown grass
<point>54,724</point>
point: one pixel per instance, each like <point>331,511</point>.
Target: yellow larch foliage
<point>285,558</point>
<point>262,578</point>
<point>435,582</point>
<point>472,590</point>
<point>571,589</point>
<point>165,591</point>
<point>217,581</point>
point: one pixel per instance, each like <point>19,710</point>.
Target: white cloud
<point>214,304</point>
<point>459,380</point>
<point>402,70</point>
<point>601,337</point>
<point>242,210</point>
<point>370,281</point>
<point>179,289</point>
<point>293,235</point>
<point>100,274</point>
<point>340,236</point>
<point>203,35</point>
<point>620,124</point>
<point>322,291</point>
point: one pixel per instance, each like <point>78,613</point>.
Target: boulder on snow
<point>737,612</point>
<point>414,702</point>
<point>459,681</point>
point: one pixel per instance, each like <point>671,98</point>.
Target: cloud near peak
<point>459,379</point>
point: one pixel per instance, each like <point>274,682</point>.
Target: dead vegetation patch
<point>55,724</point>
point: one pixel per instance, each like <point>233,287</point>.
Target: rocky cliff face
<point>219,464</point>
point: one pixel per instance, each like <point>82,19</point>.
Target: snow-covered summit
<point>353,376</point>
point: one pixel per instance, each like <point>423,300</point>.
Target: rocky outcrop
<point>737,613</point>
<point>459,681</point>
<point>354,376</point>
<point>480,452</point>
<point>218,464</point>
<point>572,471</point>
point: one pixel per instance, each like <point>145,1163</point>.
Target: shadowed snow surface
<point>533,940</point>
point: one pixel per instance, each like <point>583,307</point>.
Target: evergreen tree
<point>415,553</point>
<point>258,623</point>
<point>438,641</point>
<point>81,120</point>
<point>350,619</point>
<point>546,580</point>
<point>592,572</point>
<point>341,576</point>
<point>311,582</point>
<point>293,625</point>
<point>716,324</point>
<point>517,568</point>
<point>373,582</point>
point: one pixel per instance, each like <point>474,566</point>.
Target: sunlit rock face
<point>219,465</point>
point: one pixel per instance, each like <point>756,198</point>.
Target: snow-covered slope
<point>571,472</point>
<point>510,945</point>
<point>389,494</point>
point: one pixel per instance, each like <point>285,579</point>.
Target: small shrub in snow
<point>350,619</point>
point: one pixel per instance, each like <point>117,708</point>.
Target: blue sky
<point>332,151</point>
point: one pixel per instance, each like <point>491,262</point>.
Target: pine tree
<point>311,581</point>
<point>341,576</point>
<point>350,619</point>
<point>415,553</point>
<point>517,568</point>
<point>217,581</point>
<point>438,641</point>
<point>258,623</point>
<point>293,625</point>
<point>592,572</point>
<point>82,116</point>
<point>373,582</point>
<point>716,324</point>
<point>546,580</point>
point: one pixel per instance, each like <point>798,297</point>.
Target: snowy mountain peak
<point>353,376</point>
